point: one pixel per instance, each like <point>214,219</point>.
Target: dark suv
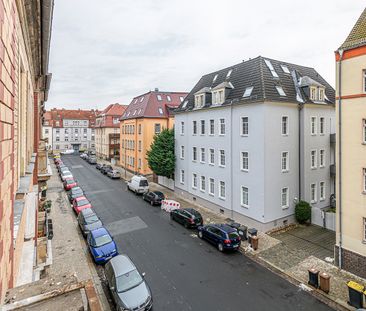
<point>222,236</point>
<point>106,168</point>
<point>188,217</point>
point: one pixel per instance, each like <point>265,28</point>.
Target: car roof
<point>121,264</point>
<point>99,232</point>
<point>158,192</point>
<point>81,198</point>
<point>191,211</point>
<point>224,227</point>
<point>86,212</point>
<point>76,189</point>
<point>139,177</point>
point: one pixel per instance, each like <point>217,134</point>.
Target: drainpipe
<point>231,161</point>
<point>299,130</point>
<point>340,157</point>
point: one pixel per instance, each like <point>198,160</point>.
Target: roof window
<point>285,69</point>
<point>215,77</point>
<point>159,97</point>
<point>248,91</point>
<point>181,98</point>
<point>185,104</point>
<point>141,99</point>
<point>139,111</point>
<point>168,98</point>
<point>134,112</point>
<point>229,74</point>
<point>280,90</point>
<point>160,110</point>
<point>270,67</point>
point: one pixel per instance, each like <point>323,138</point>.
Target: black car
<point>74,193</point>
<point>99,166</point>
<point>106,168</point>
<point>222,236</point>
<point>188,217</point>
<point>154,197</point>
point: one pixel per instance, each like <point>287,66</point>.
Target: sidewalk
<point>71,264</point>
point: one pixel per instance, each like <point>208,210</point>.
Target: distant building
<point>107,133</point>
<point>254,138</point>
<point>146,116</point>
<point>71,129</point>
<point>350,249</point>
<point>47,132</point>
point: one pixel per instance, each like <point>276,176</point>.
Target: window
<point>284,198</point>
<point>313,159</point>
<point>364,179</point>
<point>313,193</point>
<point>158,97</point>
<point>141,99</point>
<point>211,188</point>
<point>134,112</point>
<point>222,157</point>
<point>285,69</point>
<point>182,128</point>
<point>160,110</point>
<point>182,152</point>
<point>321,125</point>
<point>66,139</point>
<point>194,180</point>
<point>284,162</point>
<point>203,127</point>
<point>244,196</point>
<point>229,74</point>
<point>200,100</point>
<point>57,138</point>
<point>140,129</point>
<point>194,128</point>
<point>181,98</point>
<point>203,155</point>
<point>203,183</point>
<point>157,128</point>
<point>194,154</point>
<point>57,147</point>
<point>182,176</point>
<point>313,93</point>
<point>322,190</point>
<point>185,104</point>
<point>215,77</point>
<point>364,131</point>
<point>168,98</point>
<point>280,90</point>
<point>321,94</point>
<point>313,126</point>
<point>222,126</point>
<point>322,158</point>
<point>57,131</point>
<point>270,67</point>
<point>46,131</point>
<point>245,161</point>
<point>248,91</point>
<point>245,126</point>
<point>212,157</point>
<point>284,127</point>
<point>212,127</point>
<point>222,191</point>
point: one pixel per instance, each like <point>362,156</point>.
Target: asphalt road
<point>184,272</point>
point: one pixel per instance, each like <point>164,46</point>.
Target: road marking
<point>98,191</point>
<point>126,225</point>
<point>77,166</point>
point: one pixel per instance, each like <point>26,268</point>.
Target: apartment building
<point>71,129</point>
<point>254,138</point>
<point>107,132</point>
<point>350,250</point>
<point>47,130</point>
<point>23,91</point>
<point>146,116</point>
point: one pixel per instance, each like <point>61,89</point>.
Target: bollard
<point>313,277</point>
<point>324,282</point>
<point>254,242</point>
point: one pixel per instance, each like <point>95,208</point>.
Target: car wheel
<point>200,234</point>
<point>186,225</point>
<point>220,247</point>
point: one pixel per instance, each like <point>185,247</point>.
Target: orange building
<point>147,114</point>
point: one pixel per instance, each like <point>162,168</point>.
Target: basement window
<point>280,90</point>
<point>248,91</point>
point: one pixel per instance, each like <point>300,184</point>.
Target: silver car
<point>88,221</point>
<point>114,174</point>
<point>128,287</point>
<point>65,174</point>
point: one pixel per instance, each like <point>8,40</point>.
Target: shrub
<point>302,212</point>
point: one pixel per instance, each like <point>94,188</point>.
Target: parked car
<point>80,203</point>
<point>88,221</point>
<point>188,217</point>
<point>138,184</point>
<point>68,151</point>
<point>63,169</point>
<point>114,174</point>
<point>92,160</point>
<point>57,160</point>
<point>65,174</point>
<point>82,155</point>
<point>221,235</point>
<point>99,166</point>
<point>101,245</point>
<point>74,193</point>
<point>153,197</point>
<point>69,183</point>
<point>106,168</point>
<point>128,287</point>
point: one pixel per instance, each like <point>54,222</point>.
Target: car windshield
<point>143,183</point>
<point>83,202</point>
<point>91,219</point>
<point>76,191</point>
<point>128,281</point>
<point>159,194</point>
<point>233,235</point>
<point>102,240</point>
<point>70,181</point>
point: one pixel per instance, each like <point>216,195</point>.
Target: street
<point>184,273</point>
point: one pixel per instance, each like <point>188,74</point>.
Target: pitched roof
<point>264,75</point>
<point>154,104</point>
<point>114,110</point>
<point>357,36</point>
<point>61,114</point>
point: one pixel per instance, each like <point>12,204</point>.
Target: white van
<point>138,184</point>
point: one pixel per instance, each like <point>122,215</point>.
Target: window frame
<point>222,183</point>
<point>212,127</point>
<point>315,132</point>
<point>287,203</point>
<point>194,181</point>
<point>287,125</point>
<point>242,161</point>
<point>194,127</point>
<point>222,156</point>
<point>322,158</point>
<point>322,126</point>
<point>182,152</point>
<point>202,127</point>
<point>315,166</point>
<point>182,128</point>
<point>322,188</point>
<point>203,155</point>
<point>364,131</point>
<point>182,176</point>
<point>210,154</point>
<point>242,203</point>
<point>287,157</point>
<point>364,230</point>
<point>194,154</point>
<point>364,180</point>
<point>222,126</point>
<point>203,182</point>
<point>242,126</point>
<point>211,184</point>
<point>313,200</point>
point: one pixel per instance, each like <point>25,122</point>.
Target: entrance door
<point>76,147</point>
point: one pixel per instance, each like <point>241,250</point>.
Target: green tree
<point>160,157</point>
<point>302,212</point>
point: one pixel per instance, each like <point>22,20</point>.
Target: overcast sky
<point>107,51</point>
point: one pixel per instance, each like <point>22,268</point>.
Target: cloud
<point>110,51</point>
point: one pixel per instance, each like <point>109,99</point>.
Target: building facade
<point>71,129</point>
<point>107,132</point>
<point>145,117</point>
<point>253,139</point>
<point>24,85</point>
<point>350,250</point>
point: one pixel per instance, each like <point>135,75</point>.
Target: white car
<point>69,151</point>
<point>65,175</point>
<point>138,184</point>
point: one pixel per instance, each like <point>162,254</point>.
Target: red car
<point>69,183</point>
<point>80,203</point>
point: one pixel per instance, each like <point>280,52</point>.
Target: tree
<point>303,212</point>
<point>160,157</point>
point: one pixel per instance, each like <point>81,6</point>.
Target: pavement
<point>184,272</point>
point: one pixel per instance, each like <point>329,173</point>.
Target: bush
<point>302,212</point>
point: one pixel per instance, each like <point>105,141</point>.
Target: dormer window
<point>218,97</point>
<point>321,94</point>
<point>313,93</point>
<point>199,100</point>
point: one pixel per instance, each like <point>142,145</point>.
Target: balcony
<point>333,170</point>
<point>44,167</point>
<point>332,138</point>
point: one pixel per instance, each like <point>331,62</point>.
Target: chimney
<point>156,89</point>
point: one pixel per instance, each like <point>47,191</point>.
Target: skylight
<point>185,104</point>
<point>215,77</point>
<point>139,111</point>
<point>159,97</point>
<point>141,99</point>
<point>280,90</point>
<point>128,113</point>
<point>168,98</point>
<point>270,67</point>
<point>285,69</point>
<point>181,98</point>
<point>136,100</point>
<point>160,110</point>
<point>229,74</point>
<point>134,112</point>
<point>248,91</point>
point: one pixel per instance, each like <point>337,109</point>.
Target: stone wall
<point>352,262</point>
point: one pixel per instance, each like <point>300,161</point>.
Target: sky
<point>109,51</point>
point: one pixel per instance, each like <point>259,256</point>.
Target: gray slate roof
<point>255,72</point>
